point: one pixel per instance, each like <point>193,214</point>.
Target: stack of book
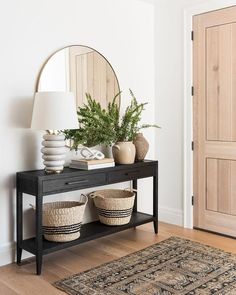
<point>92,164</point>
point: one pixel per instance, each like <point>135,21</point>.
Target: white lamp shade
<point>54,111</point>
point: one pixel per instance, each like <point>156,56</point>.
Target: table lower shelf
<point>89,231</point>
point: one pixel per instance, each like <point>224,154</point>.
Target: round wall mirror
<point>82,70</point>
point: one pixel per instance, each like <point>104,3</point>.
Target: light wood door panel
<point>214,121</point>
<point>92,74</point>
<point>224,183</point>
<point>81,82</point>
<point>211,183</point>
<point>220,58</point>
<point>221,186</point>
<point>212,78</point>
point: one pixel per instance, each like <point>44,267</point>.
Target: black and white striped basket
<point>62,220</point>
<point>114,206</point>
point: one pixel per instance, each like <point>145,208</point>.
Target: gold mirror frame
<point>101,59</point>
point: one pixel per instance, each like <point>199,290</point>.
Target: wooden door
<point>214,101</point>
<point>91,73</point>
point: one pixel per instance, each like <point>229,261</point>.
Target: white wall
<point>30,31</point>
<point>54,76</point>
<point>169,65</point>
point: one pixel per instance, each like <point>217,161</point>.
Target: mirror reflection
<point>80,69</point>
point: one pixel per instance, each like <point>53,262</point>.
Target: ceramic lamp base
<point>54,152</point>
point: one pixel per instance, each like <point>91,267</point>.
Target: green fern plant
<point>129,124</point>
<point>105,126</point>
<point>97,125</point>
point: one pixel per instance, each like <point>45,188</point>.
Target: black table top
<point>70,172</point>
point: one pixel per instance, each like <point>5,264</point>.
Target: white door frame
<point>188,112</point>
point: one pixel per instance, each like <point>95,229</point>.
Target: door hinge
<point>192,145</point>
<point>192,35</point>
<point>192,200</point>
<point>192,91</point>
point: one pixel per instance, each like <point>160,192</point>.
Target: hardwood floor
<point>16,280</point>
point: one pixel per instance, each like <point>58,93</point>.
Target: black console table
<point>40,184</point>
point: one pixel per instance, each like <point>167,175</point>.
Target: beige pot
<point>142,147</point>
<point>124,152</point>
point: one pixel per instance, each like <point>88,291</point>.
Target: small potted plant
<point>124,150</point>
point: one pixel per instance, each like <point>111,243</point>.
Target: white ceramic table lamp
<point>54,111</point>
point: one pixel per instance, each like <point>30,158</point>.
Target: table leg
<point>135,186</point>
<point>39,234</point>
<point>155,202</point>
<point>19,226</point>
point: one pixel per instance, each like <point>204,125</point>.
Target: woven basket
<point>114,206</point>
<point>62,220</point>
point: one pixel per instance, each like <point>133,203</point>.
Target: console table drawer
<point>74,182</point>
<point>129,174</point>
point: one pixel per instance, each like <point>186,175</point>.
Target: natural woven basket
<point>114,206</point>
<point>62,220</point>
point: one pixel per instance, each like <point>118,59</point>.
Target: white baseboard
<point>8,254</point>
<point>170,215</point>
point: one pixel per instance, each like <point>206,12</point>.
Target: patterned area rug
<point>174,266</point>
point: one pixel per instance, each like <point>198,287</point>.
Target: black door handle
<point>77,182</point>
<point>132,172</point>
